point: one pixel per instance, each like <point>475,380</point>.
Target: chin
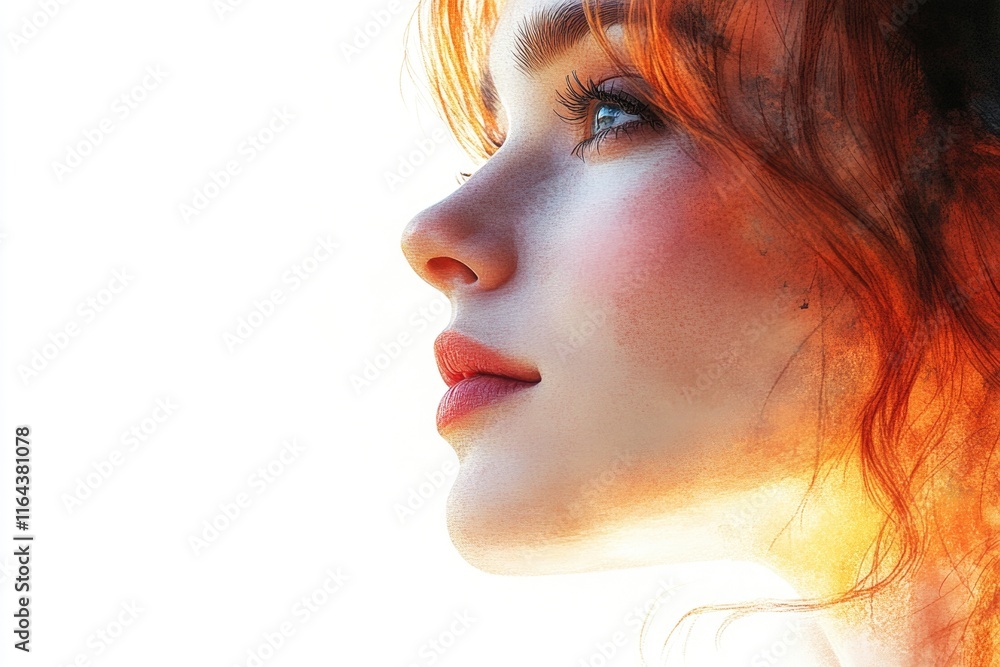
<point>499,528</point>
<point>485,546</point>
<point>510,518</point>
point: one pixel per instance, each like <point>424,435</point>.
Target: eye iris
<point>606,115</point>
<point>609,115</point>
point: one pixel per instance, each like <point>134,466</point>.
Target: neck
<point>920,619</point>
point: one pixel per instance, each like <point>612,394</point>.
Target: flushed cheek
<point>682,278</point>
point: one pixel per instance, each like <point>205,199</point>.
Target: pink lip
<point>477,376</point>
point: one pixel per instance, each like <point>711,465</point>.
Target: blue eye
<point>608,115</point>
<point>606,111</point>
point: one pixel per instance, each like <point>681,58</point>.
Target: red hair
<point>878,148</point>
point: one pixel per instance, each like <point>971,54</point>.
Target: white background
<point>161,337</point>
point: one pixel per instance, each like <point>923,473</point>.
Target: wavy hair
<point>879,136</point>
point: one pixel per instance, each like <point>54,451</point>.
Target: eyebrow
<point>548,33</point>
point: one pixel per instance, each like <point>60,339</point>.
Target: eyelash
<point>578,100</point>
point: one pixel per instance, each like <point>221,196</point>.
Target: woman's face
<point>663,315</point>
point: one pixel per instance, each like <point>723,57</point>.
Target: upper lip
<point>459,357</point>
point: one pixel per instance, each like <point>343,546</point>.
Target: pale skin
<point>680,366</point>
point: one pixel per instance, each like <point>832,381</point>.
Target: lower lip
<point>473,393</point>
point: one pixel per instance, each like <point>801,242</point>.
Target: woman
<point>723,250</point>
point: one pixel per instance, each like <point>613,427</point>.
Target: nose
<point>462,243</point>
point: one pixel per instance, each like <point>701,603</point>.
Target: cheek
<point>691,282</point>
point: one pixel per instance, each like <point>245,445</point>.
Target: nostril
<point>451,270</point>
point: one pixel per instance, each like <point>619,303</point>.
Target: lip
<point>477,376</point>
